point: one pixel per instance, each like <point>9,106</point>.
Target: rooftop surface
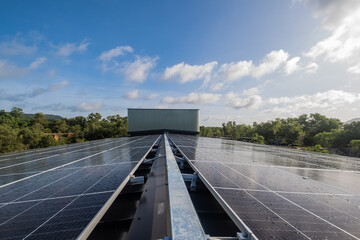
<point>278,193</point>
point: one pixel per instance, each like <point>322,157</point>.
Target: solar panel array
<point>54,193</point>
<point>281,193</point>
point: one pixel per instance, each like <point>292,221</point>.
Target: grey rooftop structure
<point>144,121</point>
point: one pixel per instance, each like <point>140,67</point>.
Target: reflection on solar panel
<point>280,193</point>
<point>54,193</point>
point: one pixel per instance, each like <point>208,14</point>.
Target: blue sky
<point>234,60</point>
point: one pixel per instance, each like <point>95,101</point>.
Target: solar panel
<point>280,193</point>
<point>54,194</point>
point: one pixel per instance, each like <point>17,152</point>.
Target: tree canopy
<point>19,133</point>
<point>314,131</point>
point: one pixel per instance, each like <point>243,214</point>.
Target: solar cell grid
<point>281,193</point>
<point>279,179</point>
<point>60,198</point>
<point>270,155</point>
<point>23,157</point>
<point>21,169</point>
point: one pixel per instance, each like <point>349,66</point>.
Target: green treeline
<point>19,133</point>
<point>315,132</point>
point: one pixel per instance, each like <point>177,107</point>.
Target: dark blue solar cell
<point>60,195</point>
<point>281,193</point>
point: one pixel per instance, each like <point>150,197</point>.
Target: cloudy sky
<point>234,60</point>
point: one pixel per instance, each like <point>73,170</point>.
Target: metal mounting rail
<point>246,233</point>
<point>185,223</point>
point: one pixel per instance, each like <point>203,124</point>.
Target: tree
<point>231,130</point>
<point>94,117</point>
<point>40,118</point>
<point>9,141</point>
<point>16,112</point>
<point>355,144</point>
<point>79,120</point>
<point>290,131</point>
<point>30,137</point>
<point>60,126</point>
<point>47,141</point>
<point>318,123</point>
<point>258,139</point>
<point>6,118</point>
<point>352,131</point>
<point>327,139</point>
<point>355,147</point>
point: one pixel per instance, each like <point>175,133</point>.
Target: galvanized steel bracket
<point>243,236</point>
<point>181,161</point>
<point>191,178</point>
<point>136,180</point>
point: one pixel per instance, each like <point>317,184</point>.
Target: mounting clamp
<point>190,178</point>
<point>136,180</point>
<point>181,161</point>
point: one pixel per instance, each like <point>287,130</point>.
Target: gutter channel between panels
<point>185,223</point>
<point>246,232</point>
<point>92,224</point>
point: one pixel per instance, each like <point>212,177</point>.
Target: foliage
<point>9,140</point>
<point>327,139</point>
<point>316,148</point>
<point>211,132</point>
<point>21,133</point>
<point>315,132</point>
<point>258,139</point>
<point>355,145</point>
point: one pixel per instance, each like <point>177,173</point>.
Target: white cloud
<point>251,91</point>
<point>184,72</point>
<point>152,96</point>
<point>292,66</point>
<point>235,70</point>
<point>193,98</point>
<point>8,70</point>
<point>354,69</point>
<point>251,102</point>
<point>87,106</point>
<point>37,63</point>
<point>162,107</point>
<point>16,48</point>
<point>271,62</point>
<point>59,85</point>
<point>132,95</point>
<point>331,99</point>
<point>311,68</point>
<point>35,92</point>
<point>52,73</point>
<point>342,19</point>
<point>70,48</point>
<point>138,70</point>
<point>115,52</point>
<point>332,11</point>
<point>216,86</point>
<point>50,88</point>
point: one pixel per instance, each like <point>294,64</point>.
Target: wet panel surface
<point>281,193</point>
<point>56,197</point>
